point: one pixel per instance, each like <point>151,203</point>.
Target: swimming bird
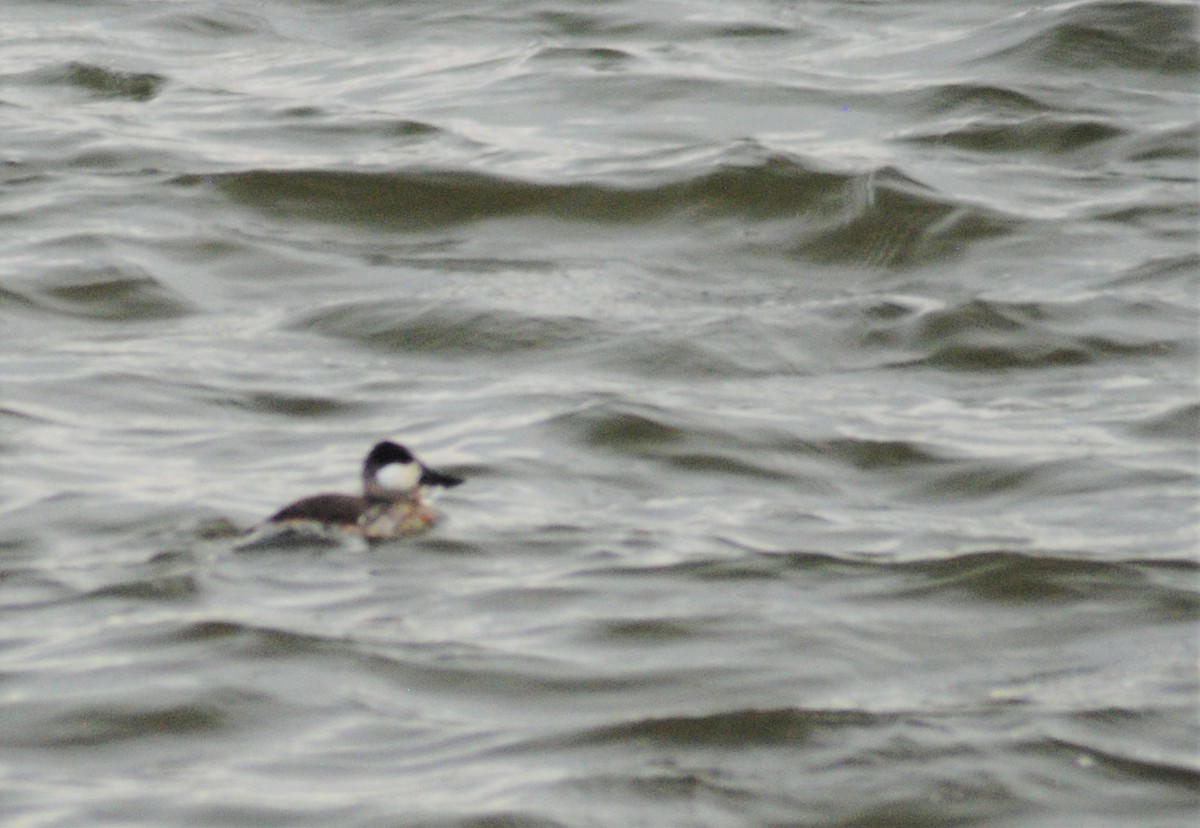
<point>391,505</point>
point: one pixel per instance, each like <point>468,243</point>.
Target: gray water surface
<point>824,376</point>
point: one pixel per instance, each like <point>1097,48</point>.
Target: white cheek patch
<point>400,477</point>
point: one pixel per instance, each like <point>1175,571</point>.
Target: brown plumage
<point>324,508</point>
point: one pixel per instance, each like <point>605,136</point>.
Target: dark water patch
<point>26,586</point>
<point>252,641</point>
<point>102,82</point>
<point>655,630</point>
<point>948,805</point>
<point>711,463</point>
<point>1181,776</point>
<point>215,23</point>
<point>438,263</point>
<point>1022,578</point>
<point>674,439</point>
<point>658,355</point>
<point>209,528</point>
<point>19,174</point>
<point>205,631</point>
<point>1045,134</point>
<point>668,28</point>
<point>166,587</point>
<point>762,186</point>
<point>446,329</point>
<point>1169,218</point>
<point>279,403</point>
<point>576,23</point>
<point>495,819</point>
<point>1155,37</point>
<point>412,200</point>
<point>123,157</point>
<point>475,672</point>
<point>771,186</point>
<point>997,357</point>
<point>303,112</point>
<point>670,793</point>
<point>1168,144</point>
<point>889,220</point>
<point>976,97</point>
<point>748,566</point>
<point>595,57</point>
<point>1182,423</point>
<point>312,123</point>
<point>106,293</point>
<point>975,316</point>
<point>626,431</point>
<point>880,218</point>
<point>752,30</point>
<point>989,335</point>
<point>1162,590</point>
<point>11,299</point>
<point>968,480</point>
<point>879,455</point>
<point>732,729</point>
<point>110,725</point>
<point>642,430</point>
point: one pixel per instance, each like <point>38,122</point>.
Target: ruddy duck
<point>391,504</point>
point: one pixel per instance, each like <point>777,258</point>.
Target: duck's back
<point>324,508</point>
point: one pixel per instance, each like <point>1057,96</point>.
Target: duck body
<point>392,503</point>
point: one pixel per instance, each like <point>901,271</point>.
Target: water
<point>824,376</point>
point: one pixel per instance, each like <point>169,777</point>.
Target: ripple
<point>990,335</point>
<point>110,293</point>
<point>1012,577</point>
<point>1182,776</point>
<point>1047,134</point>
<point>881,217</point>
<point>1182,423</point>
<point>1147,36</point>
<point>598,57</point>
<point>983,98</point>
<point>676,439</point>
<point>892,221</point>
<point>251,640</point>
<point>730,729</point>
<point>104,82</point>
<point>111,725</point>
<point>171,587</point>
<point>445,329</point>
<point>771,185</point>
<point>879,455</point>
<point>293,405</point>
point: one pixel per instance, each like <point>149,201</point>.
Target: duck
<point>392,503</point>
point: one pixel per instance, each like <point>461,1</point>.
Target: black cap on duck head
<point>385,453</point>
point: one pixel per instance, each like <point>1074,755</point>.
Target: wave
<point>110,293</point>
<point>1047,134</point>
<point>1146,36</point>
<point>446,329</point>
<point>877,217</point>
<point>731,729</point>
<point>992,335</point>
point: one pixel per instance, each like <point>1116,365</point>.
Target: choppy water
<point>824,375</point>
